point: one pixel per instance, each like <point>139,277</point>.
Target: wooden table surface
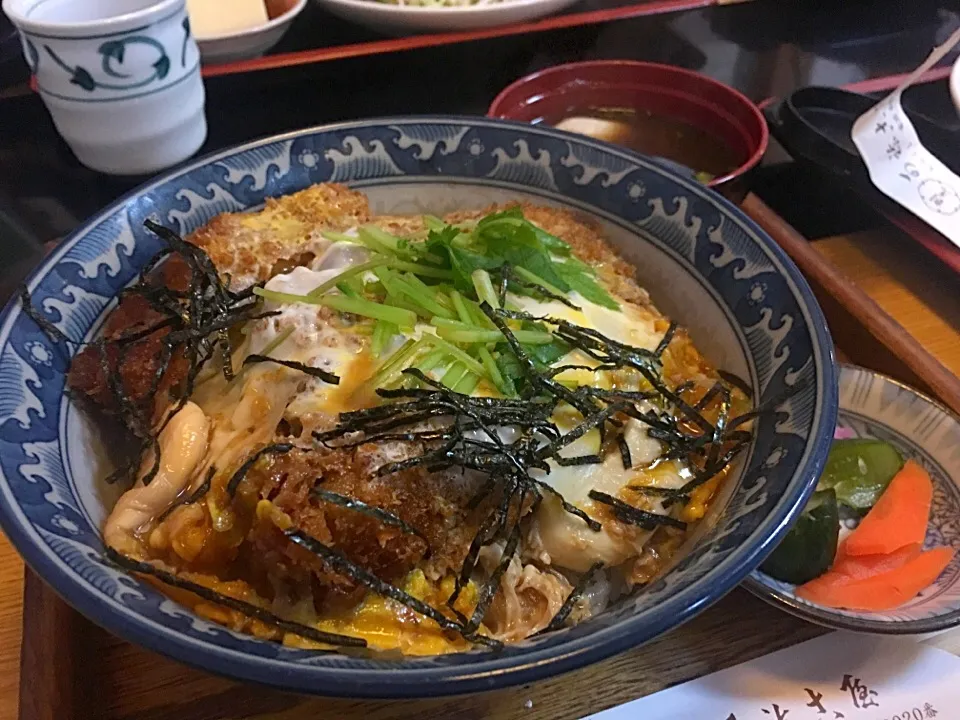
<point>115,680</point>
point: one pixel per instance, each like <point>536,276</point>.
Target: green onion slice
<point>484,287</point>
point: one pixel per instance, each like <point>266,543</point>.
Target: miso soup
<point>653,134</point>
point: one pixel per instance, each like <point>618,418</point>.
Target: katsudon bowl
<point>705,264</point>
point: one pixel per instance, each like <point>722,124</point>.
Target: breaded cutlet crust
<point>432,503</point>
<point>249,246</point>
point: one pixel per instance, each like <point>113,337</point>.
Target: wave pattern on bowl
<point>686,242</point>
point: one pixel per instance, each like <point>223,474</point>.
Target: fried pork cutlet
<point>433,504</point>
<point>248,247</point>
<point>136,364</point>
<point>252,247</point>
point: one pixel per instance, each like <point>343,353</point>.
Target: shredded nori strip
<point>665,341</point>
<point>241,606</point>
<point>578,460</point>
<point>240,474</point>
<point>539,381</point>
<point>711,470</point>
<point>570,508</point>
<point>737,381</point>
<point>490,588</point>
<point>508,465</point>
<point>591,421</point>
<point>604,350</point>
<point>502,290</point>
<point>327,377</point>
<point>767,406</point>
<point>507,275</point>
<point>554,371</point>
<point>193,497</point>
<point>196,321</point>
<point>709,396</point>
<point>572,599</point>
<point>485,535</point>
<point>344,566</point>
<point>624,453</point>
<point>635,516</point>
<point>720,424</point>
<point>384,516</point>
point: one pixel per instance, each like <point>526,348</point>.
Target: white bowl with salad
<point>410,17</point>
<point>876,547</point>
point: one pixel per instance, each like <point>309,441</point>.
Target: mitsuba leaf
<point>584,284</point>
<point>510,370</point>
<point>463,261</point>
<point>551,242</point>
<point>520,247</point>
<point>437,240</point>
<point>514,218</point>
<point>544,355</point>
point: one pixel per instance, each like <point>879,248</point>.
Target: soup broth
<point>655,135</point>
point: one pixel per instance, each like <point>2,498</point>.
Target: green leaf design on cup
<point>84,79</point>
<point>186,39</point>
<point>162,66</point>
<point>113,50</point>
<point>113,53</point>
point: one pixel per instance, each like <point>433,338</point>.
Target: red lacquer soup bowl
<point>712,111</point>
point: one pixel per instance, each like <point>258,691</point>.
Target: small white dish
<point>876,406</point>
<point>252,42</point>
<point>392,19</point>
<point>955,84</point>
<point>121,79</point>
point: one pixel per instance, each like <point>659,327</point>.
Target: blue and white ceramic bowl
<point>704,262</point>
<point>876,406</point>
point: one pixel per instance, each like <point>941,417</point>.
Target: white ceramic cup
<point>121,78</point>
<point>955,84</point>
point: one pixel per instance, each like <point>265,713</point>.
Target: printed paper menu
<point>900,166</point>
<point>839,676</point>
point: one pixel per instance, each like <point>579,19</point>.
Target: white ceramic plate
<point>247,44</point>
<point>875,406</point>
<point>409,20</point>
